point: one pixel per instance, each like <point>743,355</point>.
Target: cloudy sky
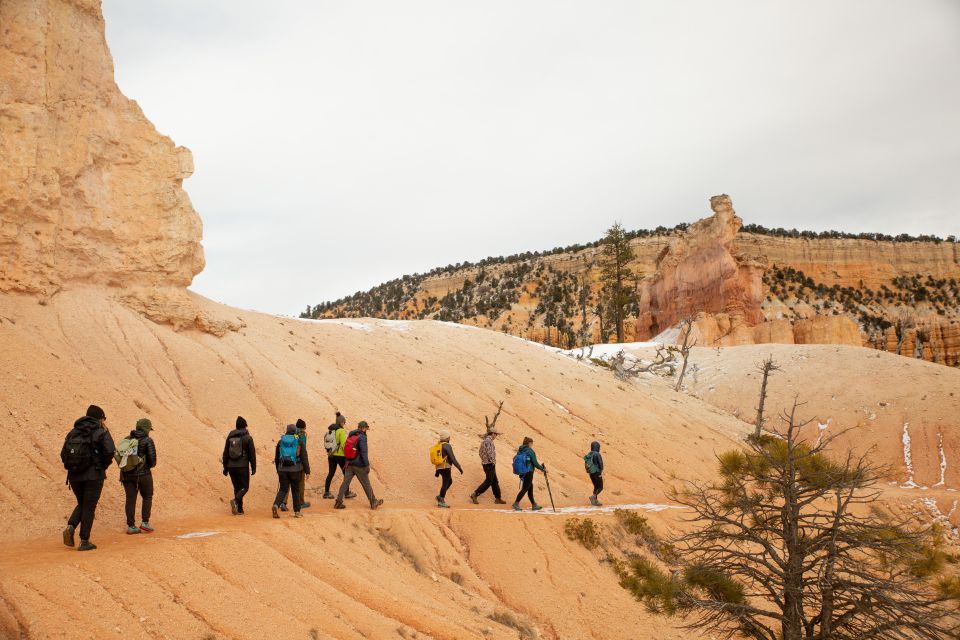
<point>341,144</point>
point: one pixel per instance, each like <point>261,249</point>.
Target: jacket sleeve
<point>304,458</point>
<point>341,436</point>
<point>276,455</point>
<point>451,459</point>
<point>533,459</point>
<point>151,453</point>
<point>251,453</point>
<point>226,445</point>
<point>107,449</point>
<point>599,461</point>
<point>362,450</point>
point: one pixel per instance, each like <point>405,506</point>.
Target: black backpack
<point>77,452</point>
<point>235,448</point>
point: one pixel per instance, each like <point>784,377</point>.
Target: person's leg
<point>446,480</point>
<point>523,489</point>
<point>331,471</point>
<point>243,478</point>
<point>494,482</point>
<point>146,493</point>
<point>486,481</point>
<point>528,483</point>
<point>130,504</point>
<point>284,487</point>
<point>296,489</point>
<point>302,484</point>
<point>363,475</point>
<point>91,496</point>
<point>77,488</point>
<point>345,485</point>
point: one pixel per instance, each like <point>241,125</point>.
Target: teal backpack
<point>289,450</point>
<point>590,463</point>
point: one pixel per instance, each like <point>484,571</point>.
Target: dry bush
<point>508,619</point>
<point>391,544</point>
<point>583,531</point>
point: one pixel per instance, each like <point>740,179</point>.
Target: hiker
<point>239,462</point>
<point>86,454</point>
<point>137,478</point>
<point>524,465</point>
<point>302,437</point>
<point>441,455</point>
<point>292,464</point>
<point>593,462</point>
<point>358,464</point>
<point>488,458</point>
<point>333,441</point>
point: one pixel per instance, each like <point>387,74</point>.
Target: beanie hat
<point>93,411</point>
<point>291,429</point>
<point>444,435</point>
<point>241,423</point>
<point>144,424</point>
<point>363,423</point>
<point>301,424</point>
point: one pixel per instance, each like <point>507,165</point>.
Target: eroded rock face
<point>90,192</point>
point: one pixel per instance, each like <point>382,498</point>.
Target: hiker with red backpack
<point>358,465</point>
<point>87,451</point>
<point>524,464</point>
<point>137,455</point>
<point>291,461</point>
<point>593,462</point>
<point>239,462</point>
<point>441,455</point>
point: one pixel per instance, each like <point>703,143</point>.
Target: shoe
<point>536,507</point>
<point>240,512</point>
<point>328,496</point>
<point>304,505</point>
<point>86,545</point>
<point>516,506</point>
<point>499,501</point>
<point>376,504</point>
<point>284,508</point>
<point>132,530</point>
<point>233,507</point>
<point>276,511</point>
<point>473,498</point>
<point>594,501</point>
<point>297,514</point>
<point>68,536</point>
<point>339,505</point>
<point>350,494</point>
<point>442,503</point>
<point>145,527</point>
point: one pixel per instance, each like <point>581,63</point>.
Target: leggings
<point>446,476</point>
<point>526,487</point>
<point>597,480</point>
<point>332,463</point>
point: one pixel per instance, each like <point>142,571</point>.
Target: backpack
<point>127,454</point>
<point>77,451</point>
<point>350,450</point>
<point>289,450</point>
<point>521,463</point>
<point>436,455</point>
<point>590,463</point>
<point>330,441</point>
<point>235,448</point>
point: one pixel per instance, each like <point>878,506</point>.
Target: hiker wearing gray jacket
<point>444,470</point>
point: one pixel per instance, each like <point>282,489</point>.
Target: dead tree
<point>767,367</point>
<point>684,349</point>
<point>492,423</point>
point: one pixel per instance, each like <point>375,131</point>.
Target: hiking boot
<point>442,503</point>
<point>276,511</point>
<point>594,501</point>
<point>297,514</point>
<point>350,494</point>
<point>284,508</point>
<point>516,506</point>
<point>376,504</point>
<point>233,507</point>
<point>339,505</point>
<point>304,505</point>
<point>86,545</point>
<point>132,530</point>
<point>145,527</point>
<point>68,536</point>
<point>499,501</point>
<point>536,507</point>
<point>328,496</point>
<point>473,498</point>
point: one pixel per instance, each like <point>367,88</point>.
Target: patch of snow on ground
<point>198,534</point>
<point>907,460</point>
<point>821,427</point>
<point>671,335</point>
<point>606,351</point>
<point>352,324</point>
<point>610,508</point>
<point>939,517</point>
<point>396,325</point>
<point>943,461</point>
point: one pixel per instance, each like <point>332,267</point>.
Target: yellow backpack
<point>436,455</point>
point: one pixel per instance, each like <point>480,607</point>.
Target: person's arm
<point>533,460</point>
<point>304,458</point>
<point>362,451</point>
<point>151,453</point>
<point>226,447</point>
<point>107,448</point>
<point>599,462</point>
<point>251,454</point>
<point>341,436</point>
<point>451,459</point>
<point>276,456</point>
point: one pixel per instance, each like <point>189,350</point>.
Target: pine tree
<point>616,275</point>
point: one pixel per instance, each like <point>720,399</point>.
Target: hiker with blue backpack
<point>137,455</point>
<point>291,461</point>
<point>443,460</point>
<point>593,462</point>
<point>524,464</point>
<point>87,451</point>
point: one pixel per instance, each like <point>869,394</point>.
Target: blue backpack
<point>521,463</point>
<point>289,450</point>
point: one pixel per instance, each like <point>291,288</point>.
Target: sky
<point>338,145</point>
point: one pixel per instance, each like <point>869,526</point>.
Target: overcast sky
<point>341,144</point>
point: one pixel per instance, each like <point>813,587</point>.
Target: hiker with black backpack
<point>86,454</point>
<point>358,465</point>
<point>441,455</point>
<point>333,441</point>
<point>292,463</point>
<point>302,437</point>
<point>593,462</point>
<point>488,458</point>
<point>137,455</point>
<point>239,462</point>
<point>524,464</point>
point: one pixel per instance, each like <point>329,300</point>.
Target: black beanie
<point>241,423</point>
<point>301,424</point>
<point>93,411</point>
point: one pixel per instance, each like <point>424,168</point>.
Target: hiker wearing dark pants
<point>239,462</point>
<point>86,454</point>
<point>488,458</point>
<point>358,465</point>
<point>593,462</point>
<point>302,437</point>
<point>139,480</point>
<point>524,465</point>
<point>333,442</point>
<point>444,470</point>
<point>292,464</point>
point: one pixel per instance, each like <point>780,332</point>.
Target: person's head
<point>527,441</point>
<point>444,436</point>
<point>492,433</point>
<point>301,424</point>
<point>594,446</point>
<point>363,426</point>
<point>95,412</point>
<point>341,419</point>
<point>291,429</point>
<point>241,423</point>
<point>144,424</point>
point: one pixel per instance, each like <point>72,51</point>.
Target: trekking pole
<point>546,476</point>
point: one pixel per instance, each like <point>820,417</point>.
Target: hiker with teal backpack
<point>443,460</point>
<point>524,464</point>
<point>593,462</point>
<point>302,437</point>
<point>136,455</point>
<point>291,460</point>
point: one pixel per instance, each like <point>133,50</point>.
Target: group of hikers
<point>88,450</point>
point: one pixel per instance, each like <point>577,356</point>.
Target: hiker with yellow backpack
<point>443,460</point>
<point>136,455</point>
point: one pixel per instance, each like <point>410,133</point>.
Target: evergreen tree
<point>616,275</point>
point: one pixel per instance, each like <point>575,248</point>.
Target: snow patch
<point>907,460</point>
<point>351,324</point>
<point>943,460</point>
<point>610,508</point>
<point>198,534</point>
<point>939,517</point>
<point>821,427</point>
<point>396,325</point>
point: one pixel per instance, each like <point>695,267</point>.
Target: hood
<point>523,447</point>
<point>333,427</point>
<point>138,434</point>
<point>595,446</point>
<point>86,423</point>
<point>355,432</point>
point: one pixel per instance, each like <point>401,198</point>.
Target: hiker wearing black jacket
<point>86,454</point>
<point>302,437</point>
<point>444,470</point>
<point>594,464</point>
<point>239,462</point>
<point>357,466</point>
<point>139,480</point>
<point>290,469</point>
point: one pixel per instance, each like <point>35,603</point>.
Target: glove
<point>253,472</point>
<point>225,472</point>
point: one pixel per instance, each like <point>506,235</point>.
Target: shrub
<point>583,531</point>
